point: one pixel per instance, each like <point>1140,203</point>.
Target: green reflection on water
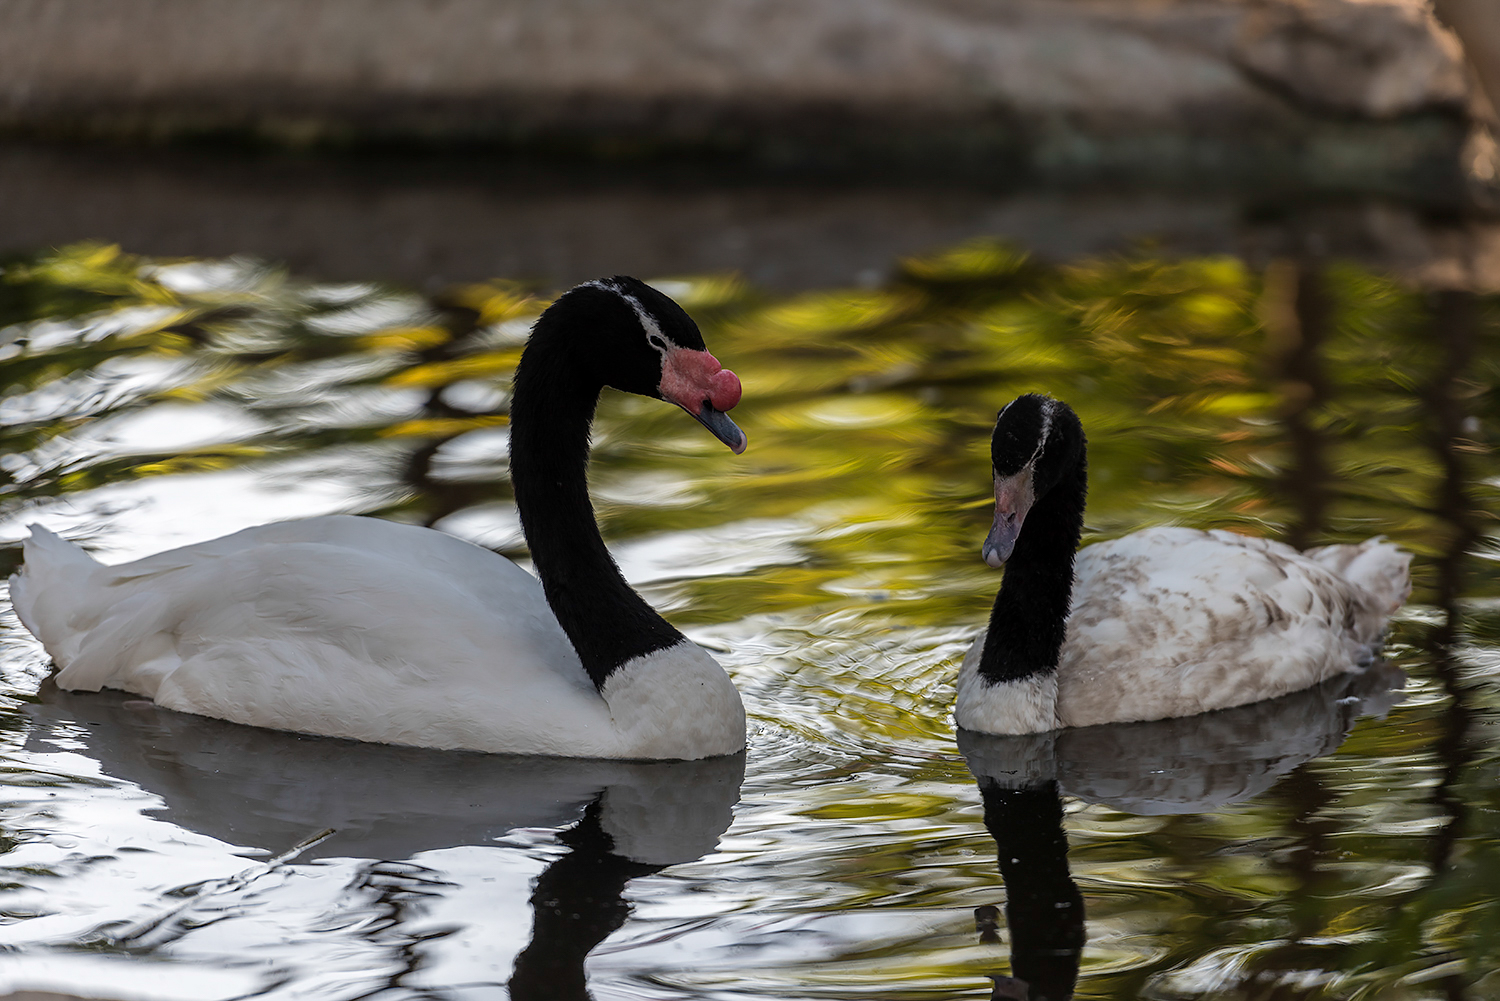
<point>1308,401</point>
<point>1303,402</point>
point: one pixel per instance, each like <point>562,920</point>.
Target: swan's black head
<point>1038,441</point>
<point>625,334</point>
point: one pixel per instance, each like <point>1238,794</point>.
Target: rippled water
<point>1339,843</point>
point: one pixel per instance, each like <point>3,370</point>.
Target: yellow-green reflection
<point>868,410</point>
<point>837,559</point>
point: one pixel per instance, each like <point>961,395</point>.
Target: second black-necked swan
<point>364,628</point>
<point>1164,622</point>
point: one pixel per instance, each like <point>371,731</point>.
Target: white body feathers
<point>363,628</point>
<point>1174,621</point>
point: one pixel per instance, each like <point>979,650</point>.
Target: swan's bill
<point>1014,496</point>
<point>722,427</point>
<point>696,382</point>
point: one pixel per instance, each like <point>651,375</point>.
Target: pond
<point>1338,843</point>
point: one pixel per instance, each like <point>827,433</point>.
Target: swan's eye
<point>657,342</point>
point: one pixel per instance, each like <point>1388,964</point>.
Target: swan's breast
<point>676,703</point>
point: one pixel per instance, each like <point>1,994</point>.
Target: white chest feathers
<point>674,703</point>
<point>1027,705</point>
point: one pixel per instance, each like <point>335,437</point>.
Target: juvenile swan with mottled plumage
<point>1165,622</point>
<point>363,628</point>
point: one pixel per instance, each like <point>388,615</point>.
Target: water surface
<point>1336,844</point>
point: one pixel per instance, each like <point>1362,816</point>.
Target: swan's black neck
<point>1029,620</point>
<point>1043,908</point>
<point>551,413</point>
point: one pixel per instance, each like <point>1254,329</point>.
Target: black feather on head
<point>612,324</point>
<point>1037,431</point>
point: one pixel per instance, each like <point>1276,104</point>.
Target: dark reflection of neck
<point>1043,908</point>
<point>578,902</point>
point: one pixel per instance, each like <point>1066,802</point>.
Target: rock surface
<point>1375,59</point>
<point>1327,88</point>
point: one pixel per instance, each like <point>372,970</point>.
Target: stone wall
<point>1365,92</point>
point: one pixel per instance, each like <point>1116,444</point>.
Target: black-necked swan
<point>363,628</point>
<point>1161,623</point>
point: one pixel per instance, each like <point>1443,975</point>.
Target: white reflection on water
<point>148,516</point>
<point>735,548</point>
<point>308,864</point>
<point>855,859</point>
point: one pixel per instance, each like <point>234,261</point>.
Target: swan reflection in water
<point>1185,765</point>
<point>318,797</point>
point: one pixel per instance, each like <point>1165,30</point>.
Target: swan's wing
<point>477,570</point>
<point>344,626</point>
<point>1172,622</point>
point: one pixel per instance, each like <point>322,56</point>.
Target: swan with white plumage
<point>1163,623</point>
<point>364,628</point>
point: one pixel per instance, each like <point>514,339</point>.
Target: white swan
<point>1165,622</point>
<point>363,628</point>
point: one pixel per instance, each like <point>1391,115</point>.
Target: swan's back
<point>1173,621</point>
<point>354,627</point>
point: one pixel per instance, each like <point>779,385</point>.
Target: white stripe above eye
<point>1046,429</point>
<point>648,322</point>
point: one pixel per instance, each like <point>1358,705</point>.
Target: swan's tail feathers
<point>55,571</point>
<point>47,548</point>
<point>1381,568</point>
